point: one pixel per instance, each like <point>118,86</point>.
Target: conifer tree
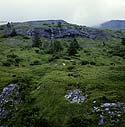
<point>36,39</point>
<point>74,46</point>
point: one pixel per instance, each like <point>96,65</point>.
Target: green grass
<point>94,70</point>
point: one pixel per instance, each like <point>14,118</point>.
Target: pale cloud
<point>88,12</point>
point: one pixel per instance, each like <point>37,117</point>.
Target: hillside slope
<point>113,25</point>
<point>69,81</point>
<point>58,29</point>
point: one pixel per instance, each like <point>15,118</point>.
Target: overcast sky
<point>84,12</point>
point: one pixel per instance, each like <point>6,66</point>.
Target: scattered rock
<point>75,96</point>
<point>115,111</point>
<point>64,64</point>
<point>101,120</point>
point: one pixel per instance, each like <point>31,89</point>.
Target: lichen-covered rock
<point>9,97</point>
<point>114,111</point>
<point>75,96</point>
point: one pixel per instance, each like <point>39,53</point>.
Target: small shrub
<point>54,57</point>
<point>37,50</point>
<point>70,68</point>
<point>7,63</point>
<point>36,39</point>
<point>123,41</point>
<point>112,64</point>
<point>92,63</point>
<point>78,121</point>
<point>13,33</point>
<point>74,46</point>
<point>12,59</point>
<point>26,37</point>
<point>12,56</point>
<point>36,62</point>
<point>1,28</point>
<point>84,62</point>
<point>118,51</point>
<point>66,57</point>
<point>59,24</point>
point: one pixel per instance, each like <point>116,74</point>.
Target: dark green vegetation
<point>45,69</point>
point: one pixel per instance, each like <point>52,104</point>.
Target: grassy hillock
<point>44,76</point>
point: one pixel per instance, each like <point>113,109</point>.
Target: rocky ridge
<point>58,29</point>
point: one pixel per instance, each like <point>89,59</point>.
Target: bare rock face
<point>63,32</point>
<point>57,29</point>
<point>9,99</point>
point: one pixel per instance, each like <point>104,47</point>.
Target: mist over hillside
<point>113,25</point>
